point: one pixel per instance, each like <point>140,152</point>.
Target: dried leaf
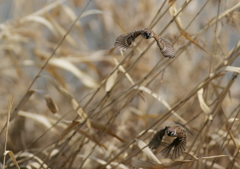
<point>10,153</point>
<point>111,81</point>
<point>121,68</point>
<point>147,165</point>
<point>50,104</point>
<point>72,126</point>
<point>202,102</point>
<point>92,138</point>
<point>39,118</point>
<point>160,99</point>
<point>54,152</point>
<point>146,150</point>
<point>21,104</point>
<point>228,127</point>
<point>102,127</point>
<point>67,65</point>
<point>217,156</point>
<point>230,121</point>
<point>39,163</point>
<point>187,36</point>
<point>70,98</point>
<point>173,11</point>
<point>231,69</point>
<point>41,20</point>
<point>91,12</point>
<point>152,165</point>
<point>62,31</point>
<point>180,162</point>
<point>69,128</point>
<point>102,162</point>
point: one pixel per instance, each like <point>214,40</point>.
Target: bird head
<point>147,34</point>
<point>171,132</point>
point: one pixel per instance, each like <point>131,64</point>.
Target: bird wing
<point>157,138</point>
<point>123,42</point>
<point>165,47</point>
<point>179,145</point>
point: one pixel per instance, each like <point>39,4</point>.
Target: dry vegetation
<point>69,100</point>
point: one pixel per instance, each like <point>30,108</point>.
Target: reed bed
<point>70,100</point>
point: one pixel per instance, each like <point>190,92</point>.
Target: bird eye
<point>170,133</point>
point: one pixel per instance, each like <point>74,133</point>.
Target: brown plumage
<point>179,143</point>
<point>123,42</point>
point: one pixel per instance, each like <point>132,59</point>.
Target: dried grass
<point>78,103</point>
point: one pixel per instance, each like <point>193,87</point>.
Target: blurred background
<point>70,100</point>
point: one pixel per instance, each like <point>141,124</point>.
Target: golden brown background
<point>69,100</point>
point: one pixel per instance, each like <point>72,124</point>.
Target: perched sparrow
<point>123,42</point>
<point>179,143</point>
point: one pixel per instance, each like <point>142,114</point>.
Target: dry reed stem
<point>100,101</point>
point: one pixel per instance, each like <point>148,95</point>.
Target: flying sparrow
<point>178,144</point>
<point>123,42</point>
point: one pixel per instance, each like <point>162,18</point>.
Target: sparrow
<point>123,42</point>
<point>178,144</point>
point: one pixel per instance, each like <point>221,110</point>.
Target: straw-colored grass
<point>70,100</point>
